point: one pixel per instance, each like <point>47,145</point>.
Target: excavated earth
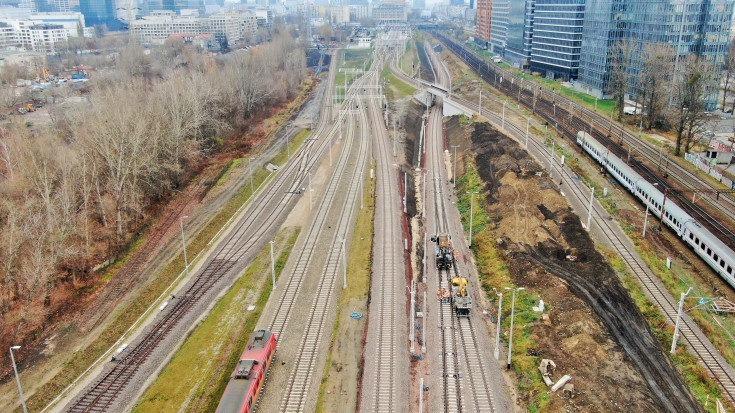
<point>595,332</point>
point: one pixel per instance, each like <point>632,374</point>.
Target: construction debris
<point>547,369</point>
<point>561,382</point>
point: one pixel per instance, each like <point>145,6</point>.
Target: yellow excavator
<point>460,299</point>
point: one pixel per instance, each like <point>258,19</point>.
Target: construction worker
<point>438,294</point>
<point>446,296</point>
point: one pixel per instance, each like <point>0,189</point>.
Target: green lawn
<point>353,59</point>
<point>352,299</point>
<point>396,86</point>
<point>603,105</point>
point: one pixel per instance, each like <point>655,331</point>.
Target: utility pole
<point>344,265</point>
<point>496,353</point>
<point>479,105</point>
<point>405,192</point>
<point>183,244</point>
<point>273,266</point>
<point>250,172</point>
<point>512,314</point>
<point>310,206</point>
<point>413,313</point>
<point>472,212</point>
<point>423,203</point>
<point>589,216</point>
<point>454,173</point>
<point>17,379</point>
<point>394,139</point>
<point>645,222</point>
<point>423,330</point>
<point>503,124</point>
<point>678,320</point>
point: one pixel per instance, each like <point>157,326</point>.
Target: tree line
<point>672,91</point>
<point>73,193</point>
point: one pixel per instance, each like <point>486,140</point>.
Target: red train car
<point>249,374</point>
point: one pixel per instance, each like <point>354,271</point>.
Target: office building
<point>499,25</point>
<point>224,27</point>
<point>556,43</point>
<point>390,12</point>
<point>699,27</point>
<point>518,37</point>
<point>98,12</point>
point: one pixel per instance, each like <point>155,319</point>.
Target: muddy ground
<point>595,332</point>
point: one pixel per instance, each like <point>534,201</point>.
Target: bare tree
<point>653,81</point>
<point>622,54</point>
<point>689,90</point>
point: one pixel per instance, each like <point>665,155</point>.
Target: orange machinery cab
<point>247,379</point>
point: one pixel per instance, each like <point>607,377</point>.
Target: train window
<point>722,263</point>
<point>691,235</point>
<point>709,251</point>
<point>729,269</point>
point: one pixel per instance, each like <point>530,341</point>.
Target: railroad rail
<point>380,385</point>
<point>243,239</point>
<point>708,356</point>
<point>560,112</point>
<point>295,397</point>
<point>466,380</point>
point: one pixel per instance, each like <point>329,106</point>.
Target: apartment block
<point>484,16</point>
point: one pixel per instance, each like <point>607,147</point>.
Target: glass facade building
<point>98,12</point>
<point>557,37</point>
<point>520,26</point>
<point>499,25</point>
<point>691,26</point>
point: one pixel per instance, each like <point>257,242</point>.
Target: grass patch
<point>493,272</point>
<point>603,105</point>
<point>353,298</point>
<point>293,145</point>
<point>197,375</point>
<point>125,317</point>
<point>227,169</point>
<point>396,88</point>
<point>353,59</point>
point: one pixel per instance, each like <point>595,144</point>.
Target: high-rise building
<point>699,27</point>
<point>519,30</point>
<point>484,15</point>
<point>499,25</point>
<point>98,11</point>
<point>557,37</point>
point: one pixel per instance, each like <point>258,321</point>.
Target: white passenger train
<point>713,251</point>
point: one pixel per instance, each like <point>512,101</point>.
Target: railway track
<point>300,380</point>
<point>708,356</point>
<point>560,111</point>
<point>381,392</point>
<point>466,380</point>
<point>242,241</point>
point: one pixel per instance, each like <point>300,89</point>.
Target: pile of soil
<point>595,332</point>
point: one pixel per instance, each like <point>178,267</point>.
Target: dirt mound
<point>594,331</point>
